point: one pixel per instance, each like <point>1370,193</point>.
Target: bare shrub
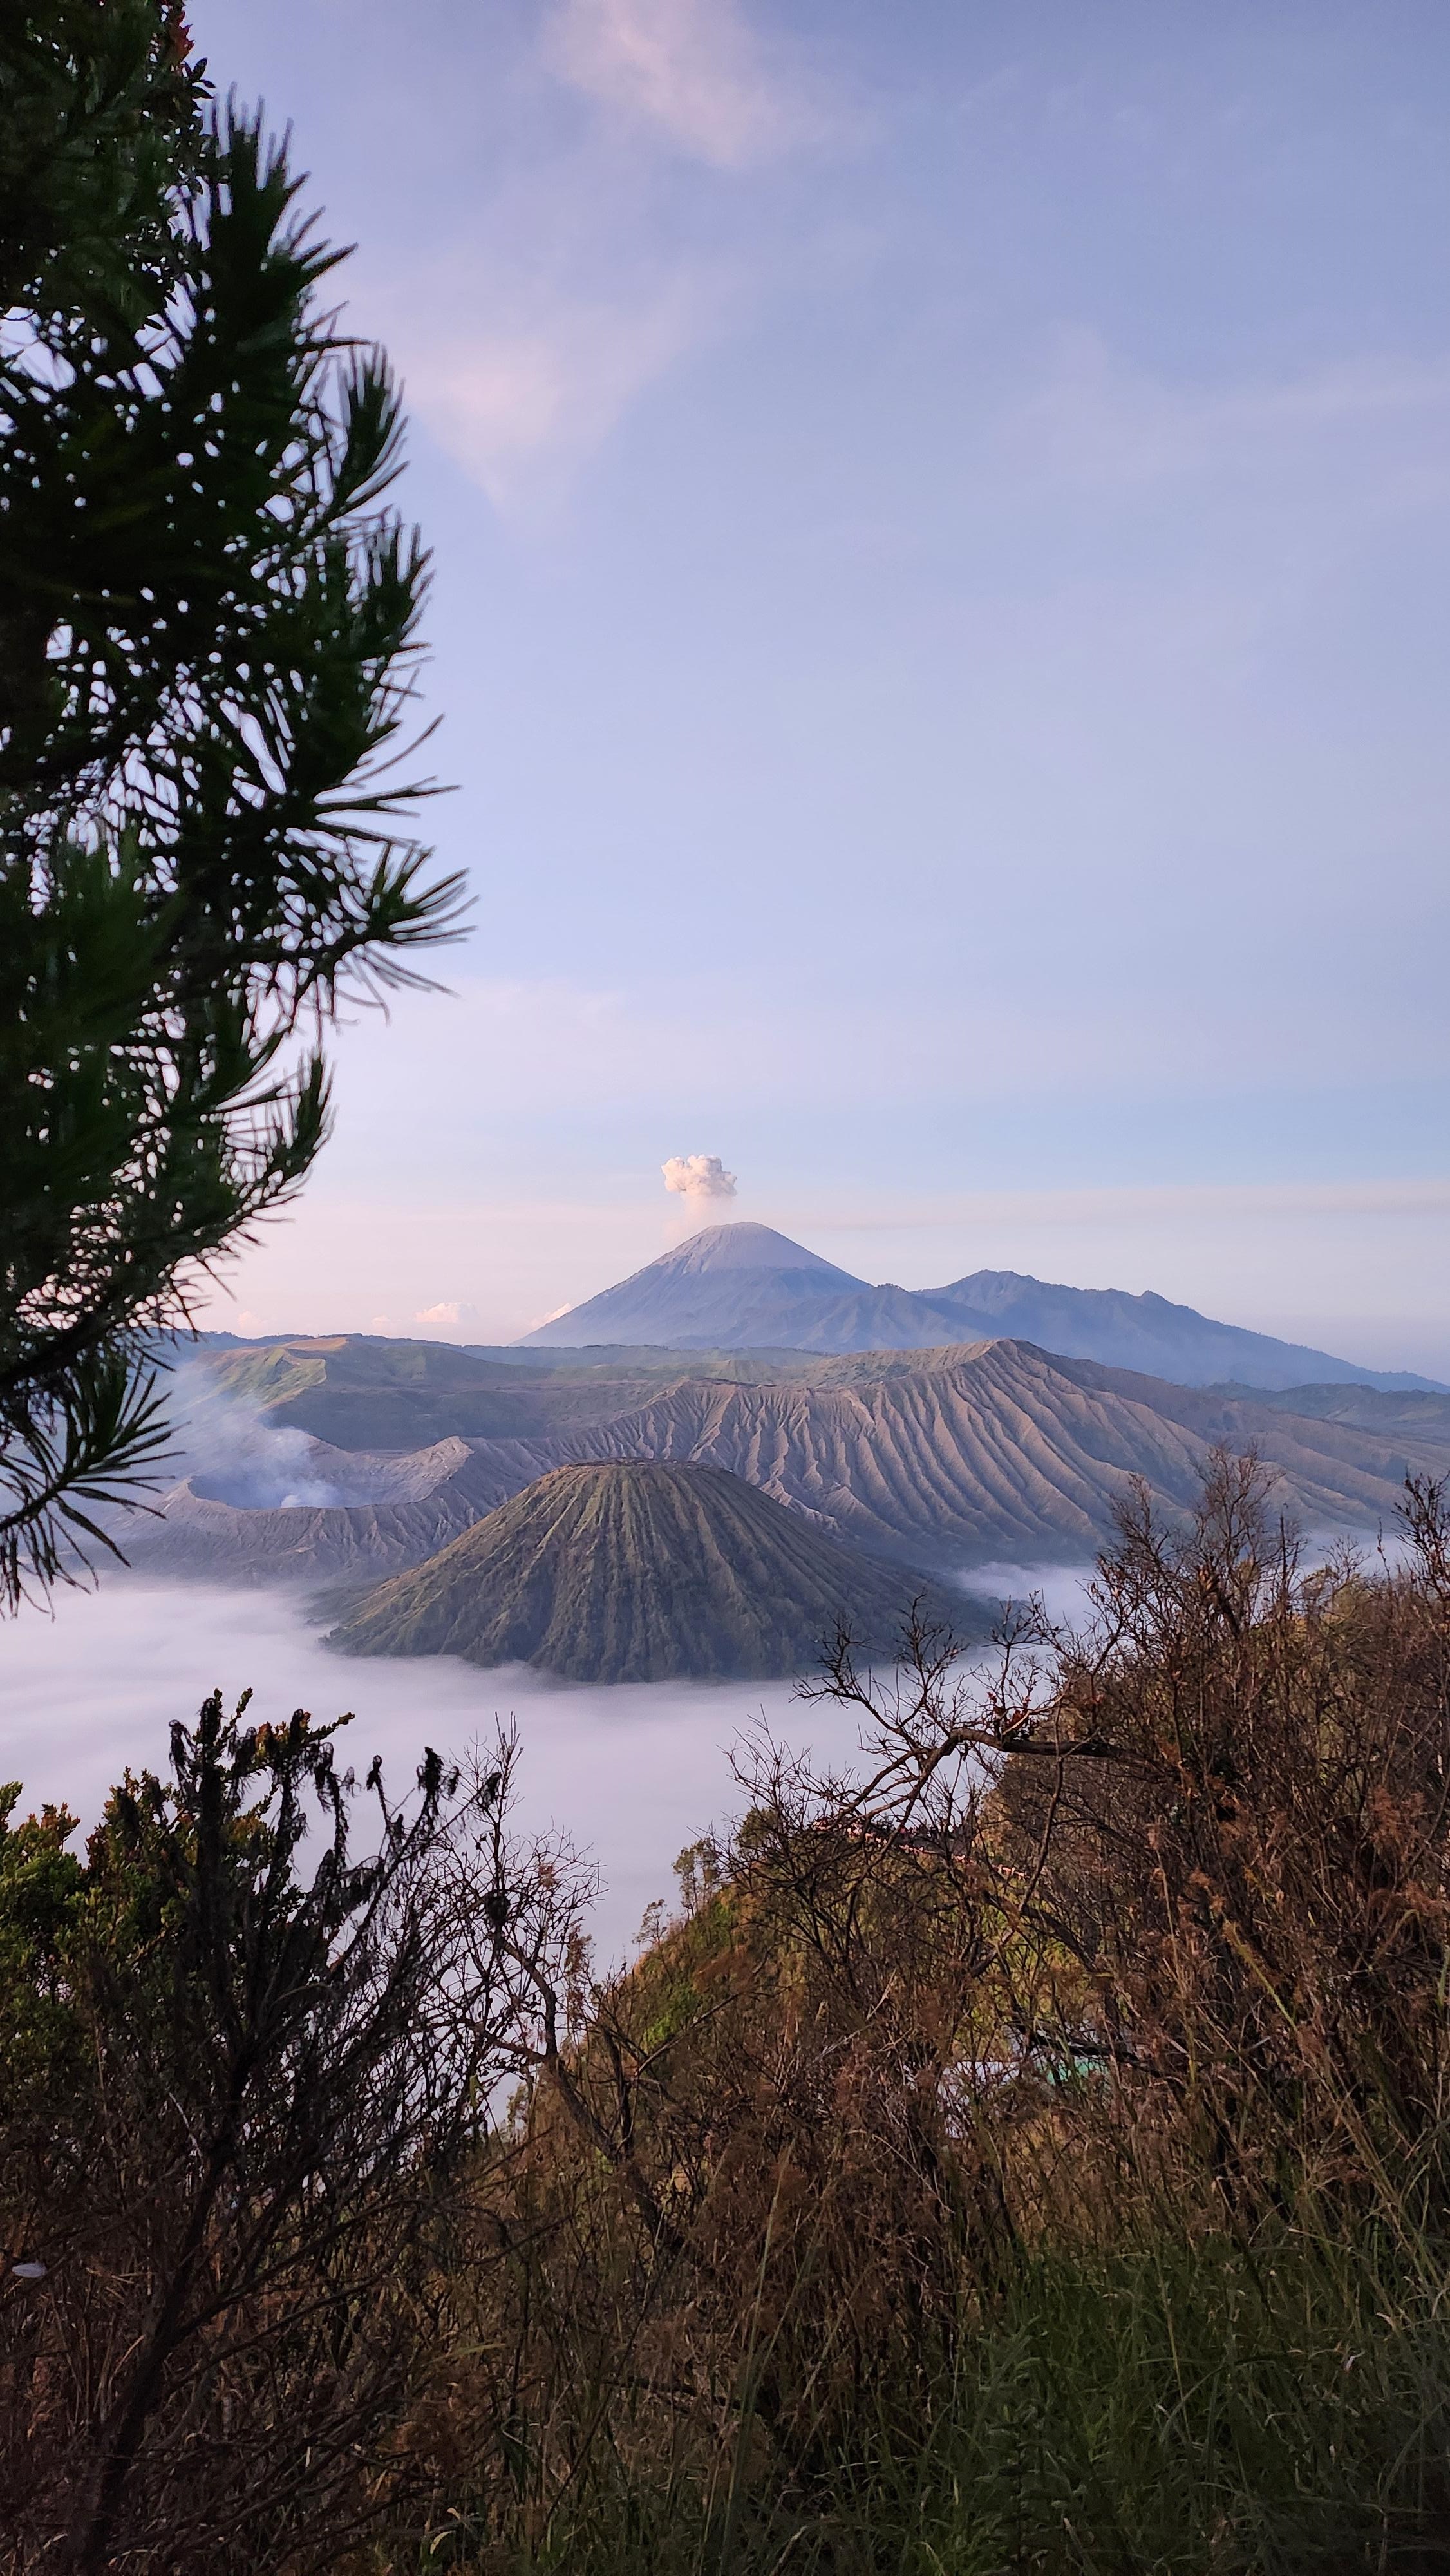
<point>242,2108</point>
<point>1135,1944</point>
<point>1025,2147</point>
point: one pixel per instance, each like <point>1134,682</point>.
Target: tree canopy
<point>208,634</point>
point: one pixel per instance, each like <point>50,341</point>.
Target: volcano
<point>745,1287</point>
<point>637,1571</point>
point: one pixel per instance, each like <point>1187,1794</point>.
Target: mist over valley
<point>632,1773</point>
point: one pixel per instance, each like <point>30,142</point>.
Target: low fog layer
<point>635,1773</point>
<point>1062,1589</point>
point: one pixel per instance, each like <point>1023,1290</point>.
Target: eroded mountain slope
<point>421,1499</point>
<point>959,1457</point>
<point>632,1570</point>
<point>1000,1451</point>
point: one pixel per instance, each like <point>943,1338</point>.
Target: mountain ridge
<point>729,1286</point>
<point>967,1455</point>
<point>1005,1451</point>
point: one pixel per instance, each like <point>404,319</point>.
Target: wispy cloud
<point>1288,1202</point>
<point>522,347</point>
<point>521,398</point>
<point>692,70</point>
<point>1094,421</point>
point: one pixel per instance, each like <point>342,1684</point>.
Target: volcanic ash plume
<point>698,1177</point>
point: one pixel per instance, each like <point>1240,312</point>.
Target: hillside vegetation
<point>635,1572</point>
<point>1048,2175</point>
<point>1024,2154</point>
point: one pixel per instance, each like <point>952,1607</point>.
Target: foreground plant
<point>208,619</point>
<point>242,2086</point>
<point>1029,2147</point>
<point>1026,2149</point>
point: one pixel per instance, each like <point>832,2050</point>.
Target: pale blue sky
<point>942,523</point>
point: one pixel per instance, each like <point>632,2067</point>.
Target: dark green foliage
<point>207,619</point>
<point>1168,2410</point>
<point>40,1886</point>
<point>98,122</point>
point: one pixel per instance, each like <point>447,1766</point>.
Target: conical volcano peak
<point>744,1287</point>
<point>728,1288</point>
<point>641,1570</point>
<point>744,1246</point>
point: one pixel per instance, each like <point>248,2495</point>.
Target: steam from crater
<point>698,1177</point>
<point>232,1456</point>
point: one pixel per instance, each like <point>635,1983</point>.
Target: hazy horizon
<point>457,1325</point>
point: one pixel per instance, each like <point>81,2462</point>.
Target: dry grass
<point>1029,2151</point>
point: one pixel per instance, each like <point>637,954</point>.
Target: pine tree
<point>208,628</point>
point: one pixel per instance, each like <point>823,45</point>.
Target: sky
<point>941,522</point>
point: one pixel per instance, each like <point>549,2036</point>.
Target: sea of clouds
<point>631,1772</point>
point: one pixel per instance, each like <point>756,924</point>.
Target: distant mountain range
<point>699,1470</point>
<point>949,1459</point>
<point>738,1287</point>
<point>639,1572</point>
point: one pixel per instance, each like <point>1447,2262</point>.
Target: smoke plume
<point>698,1176</point>
<point>232,1456</point>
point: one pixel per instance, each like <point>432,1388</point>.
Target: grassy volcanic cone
<point>630,1570</point>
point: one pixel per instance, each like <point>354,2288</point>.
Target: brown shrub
<point>1148,1930</point>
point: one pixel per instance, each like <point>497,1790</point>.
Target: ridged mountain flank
<point>738,1287</point>
<point>1002,1452</point>
<point>944,1459</point>
<point>634,1571</point>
